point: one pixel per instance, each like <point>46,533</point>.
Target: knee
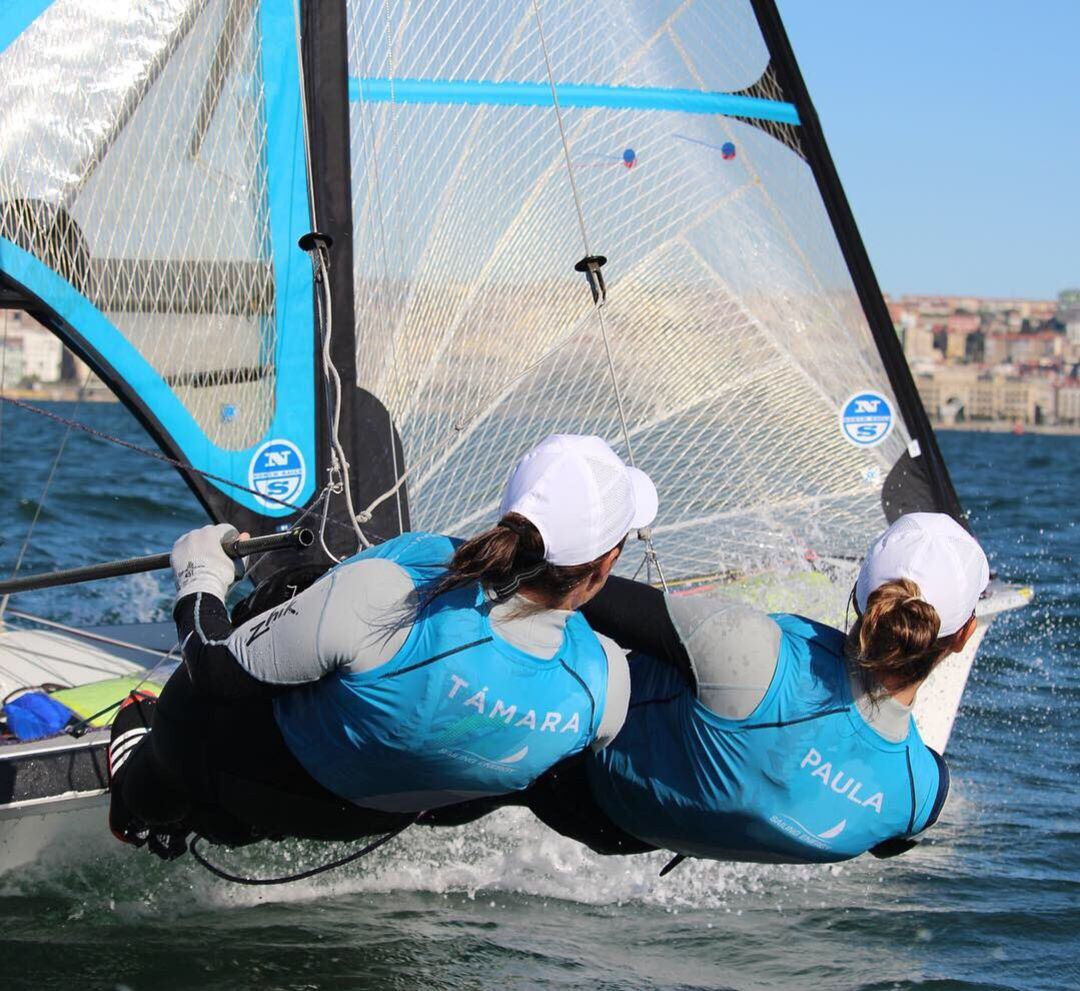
<point>147,794</point>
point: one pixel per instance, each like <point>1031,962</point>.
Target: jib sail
<point>743,354</point>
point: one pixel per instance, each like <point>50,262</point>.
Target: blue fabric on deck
<point>34,714</point>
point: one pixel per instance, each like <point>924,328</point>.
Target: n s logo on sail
<point>277,471</point>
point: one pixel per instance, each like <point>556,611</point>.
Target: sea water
<point>990,900</point>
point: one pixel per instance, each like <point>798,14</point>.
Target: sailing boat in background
<point>605,217</point>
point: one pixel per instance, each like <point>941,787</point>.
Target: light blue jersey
<point>802,778</point>
<point>457,713</point>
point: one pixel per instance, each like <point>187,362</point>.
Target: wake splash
<point>507,853</point>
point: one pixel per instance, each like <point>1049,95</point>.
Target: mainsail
<point>153,188</point>
<point>161,159</point>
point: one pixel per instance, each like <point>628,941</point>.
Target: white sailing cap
<point>938,555</point>
<point>581,497</point>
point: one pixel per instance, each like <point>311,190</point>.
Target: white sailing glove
<point>199,563</point>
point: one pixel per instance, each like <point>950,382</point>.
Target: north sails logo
<point>500,710</point>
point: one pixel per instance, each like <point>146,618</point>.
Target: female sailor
<point>419,673</point>
<point>774,738</point>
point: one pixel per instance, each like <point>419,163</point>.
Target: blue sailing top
<point>456,713</point>
<point>802,778</point>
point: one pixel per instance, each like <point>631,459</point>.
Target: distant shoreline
<point>68,392</point>
<point>64,392</point>
<point>1005,427</point>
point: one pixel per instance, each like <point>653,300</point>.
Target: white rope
<point>645,535</point>
<point>562,130</point>
<point>303,109</point>
<point>87,635</point>
<point>339,463</point>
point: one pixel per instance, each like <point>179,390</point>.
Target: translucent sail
<point>152,187</point>
<point>733,334</point>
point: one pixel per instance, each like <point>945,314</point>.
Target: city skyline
<point>956,132</point>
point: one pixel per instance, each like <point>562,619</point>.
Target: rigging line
<point>41,501</point>
<point>599,298</point>
<point>303,108</point>
<point>322,278</point>
<point>85,634</point>
<point>3,377</point>
<point>599,301</point>
<point>562,130</point>
<point>324,498</point>
<point>156,455</point>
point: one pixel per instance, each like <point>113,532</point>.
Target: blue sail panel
<point>18,15</point>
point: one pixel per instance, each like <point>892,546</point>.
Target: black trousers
<point>215,761</point>
<point>222,769</point>
<point>562,800</point>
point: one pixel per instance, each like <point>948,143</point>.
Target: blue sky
<point>955,126</point>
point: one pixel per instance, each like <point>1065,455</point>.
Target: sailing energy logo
<point>866,419</point>
<point>277,470</point>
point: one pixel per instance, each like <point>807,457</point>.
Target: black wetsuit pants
<point>562,800</point>
<point>215,761</point>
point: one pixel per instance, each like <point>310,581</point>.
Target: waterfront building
<point>956,393</point>
<point>11,360</point>
<point>1068,403</point>
<point>30,353</point>
<point>1068,313</point>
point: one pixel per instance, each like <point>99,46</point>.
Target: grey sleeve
<point>358,616</point>
<point>733,650</point>
<point>618,693</point>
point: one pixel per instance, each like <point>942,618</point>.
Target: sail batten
<point>466,92</point>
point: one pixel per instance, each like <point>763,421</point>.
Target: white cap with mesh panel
<point>938,555</point>
<point>581,497</point>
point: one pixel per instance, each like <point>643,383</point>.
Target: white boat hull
<point>53,792</point>
<point>939,697</point>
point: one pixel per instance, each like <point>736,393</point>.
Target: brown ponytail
<point>895,640</point>
<point>507,557</point>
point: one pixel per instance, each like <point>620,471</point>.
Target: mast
<point>933,474</point>
<point>367,433</point>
